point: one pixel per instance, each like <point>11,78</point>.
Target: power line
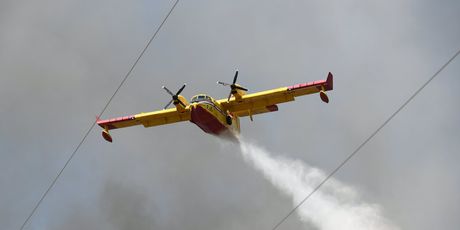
<point>100,114</point>
<point>367,140</point>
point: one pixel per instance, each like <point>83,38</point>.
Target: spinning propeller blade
<point>180,90</point>
<point>239,87</point>
<point>223,83</point>
<point>236,77</point>
<point>175,97</point>
<point>233,86</point>
<point>169,103</point>
<point>167,90</point>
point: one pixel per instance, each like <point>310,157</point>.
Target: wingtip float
<point>219,117</point>
<point>106,135</point>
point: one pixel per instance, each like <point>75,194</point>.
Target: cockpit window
<point>199,98</point>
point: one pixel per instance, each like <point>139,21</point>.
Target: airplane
<point>218,117</point>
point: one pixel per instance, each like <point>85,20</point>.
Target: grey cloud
<point>61,60</point>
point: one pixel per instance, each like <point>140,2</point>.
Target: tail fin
<point>329,82</point>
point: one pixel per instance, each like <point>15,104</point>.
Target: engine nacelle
<point>238,93</point>
<point>180,106</point>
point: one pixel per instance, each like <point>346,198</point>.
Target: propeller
<point>175,97</point>
<point>233,86</point>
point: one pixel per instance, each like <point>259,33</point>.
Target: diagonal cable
<point>367,140</point>
<point>100,114</point>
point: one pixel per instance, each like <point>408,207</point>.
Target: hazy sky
<point>60,61</point>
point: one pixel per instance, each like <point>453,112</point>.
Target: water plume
<point>334,206</point>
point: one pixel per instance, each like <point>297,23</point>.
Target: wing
<point>161,117</point>
<point>266,101</point>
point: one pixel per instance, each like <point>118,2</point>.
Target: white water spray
<point>334,206</point>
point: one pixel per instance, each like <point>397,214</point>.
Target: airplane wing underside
<point>161,117</point>
<point>266,101</point>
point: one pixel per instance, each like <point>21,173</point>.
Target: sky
<point>60,61</point>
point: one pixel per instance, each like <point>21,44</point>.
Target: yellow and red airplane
<point>218,117</point>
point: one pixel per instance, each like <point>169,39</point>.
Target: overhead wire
<point>366,140</point>
<point>100,114</point>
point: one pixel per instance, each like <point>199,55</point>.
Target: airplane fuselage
<point>211,117</point>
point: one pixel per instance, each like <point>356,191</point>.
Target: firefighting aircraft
<point>218,117</point>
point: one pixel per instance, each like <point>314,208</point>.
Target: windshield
<point>199,98</point>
